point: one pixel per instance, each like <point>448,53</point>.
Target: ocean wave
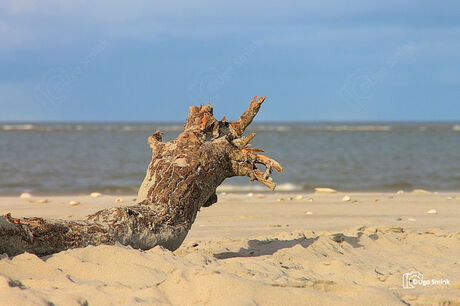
<point>258,127</point>
<point>365,128</point>
<point>271,128</point>
<point>17,127</point>
<point>314,128</point>
<point>90,127</point>
<point>245,188</point>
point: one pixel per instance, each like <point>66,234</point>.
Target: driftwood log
<point>181,178</point>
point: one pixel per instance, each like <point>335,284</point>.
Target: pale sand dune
<point>249,251</point>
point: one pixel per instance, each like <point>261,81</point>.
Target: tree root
<point>181,178</point>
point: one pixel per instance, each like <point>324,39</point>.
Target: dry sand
<point>331,250</point>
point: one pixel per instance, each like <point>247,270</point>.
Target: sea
<point>76,158</point>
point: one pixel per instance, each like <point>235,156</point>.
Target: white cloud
<point>25,22</point>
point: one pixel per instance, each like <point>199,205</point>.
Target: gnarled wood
<point>181,178</point>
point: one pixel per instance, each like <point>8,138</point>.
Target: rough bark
<point>181,178</point>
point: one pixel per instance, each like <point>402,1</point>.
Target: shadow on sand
<point>266,247</point>
<point>270,246</point>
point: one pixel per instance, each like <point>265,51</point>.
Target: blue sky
<point>149,60</point>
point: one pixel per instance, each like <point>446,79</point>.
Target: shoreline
<point>237,189</point>
<point>378,207</point>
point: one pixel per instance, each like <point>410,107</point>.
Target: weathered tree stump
<point>181,178</point>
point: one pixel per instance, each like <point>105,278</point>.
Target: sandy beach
<point>229,153</point>
<point>256,249</point>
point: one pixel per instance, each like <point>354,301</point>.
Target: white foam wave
<point>365,128</point>
<point>89,127</point>
<point>245,188</point>
<point>272,128</point>
<point>175,128</point>
<point>17,127</point>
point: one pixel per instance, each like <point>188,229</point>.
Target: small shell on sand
<point>449,198</point>
<point>250,194</point>
<point>346,198</point>
<point>324,190</point>
<point>308,213</point>
<point>420,191</point>
<point>400,192</point>
<point>96,194</point>
<point>394,229</point>
<point>310,200</point>
<point>382,278</point>
<point>259,196</point>
<point>25,195</point>
<point>118,200</point>
<point>74,203</point>
<point>298,197</point>
<point>411,219</point>
<point>43,201</point>
<point>432,212</point>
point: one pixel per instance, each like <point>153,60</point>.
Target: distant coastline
<point>260,126</point>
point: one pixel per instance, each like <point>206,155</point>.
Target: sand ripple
<point>296,267</point>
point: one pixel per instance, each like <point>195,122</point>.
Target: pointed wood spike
<point>265,160</point>
<point>248,139</point>
<point>246,118</point>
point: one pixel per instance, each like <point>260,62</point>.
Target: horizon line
<point>254,122</point>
